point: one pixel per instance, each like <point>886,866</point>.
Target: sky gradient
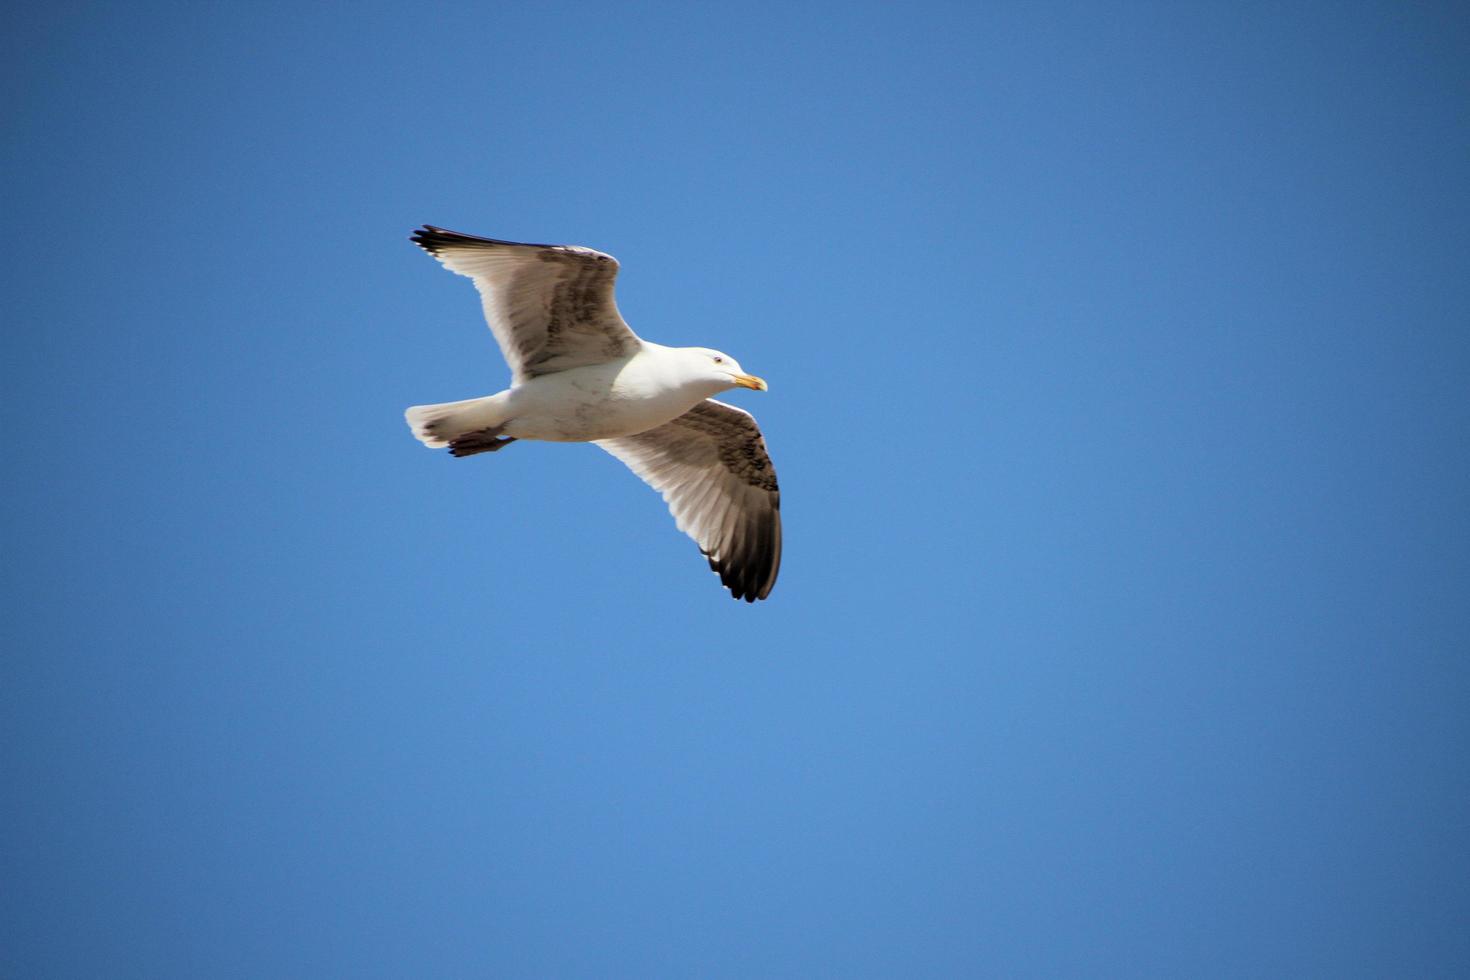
<point>1118,361</point>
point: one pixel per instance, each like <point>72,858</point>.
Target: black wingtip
<point>751,576</point>
<point>431,238</point>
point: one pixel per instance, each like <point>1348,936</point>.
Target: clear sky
<point>1119,358</point>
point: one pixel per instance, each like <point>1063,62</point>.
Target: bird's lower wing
<point>711,466</point>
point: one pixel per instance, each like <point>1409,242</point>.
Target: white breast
<point>600,401</point>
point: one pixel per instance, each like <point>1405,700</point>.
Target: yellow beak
<point>749,381</point>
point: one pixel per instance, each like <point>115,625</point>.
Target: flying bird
<point>580,374</point>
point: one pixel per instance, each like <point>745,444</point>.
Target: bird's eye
<point>719,359</point>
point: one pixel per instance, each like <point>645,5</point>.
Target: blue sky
<point>1118,361</point>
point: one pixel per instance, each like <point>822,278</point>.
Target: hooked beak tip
<point>751,381</point>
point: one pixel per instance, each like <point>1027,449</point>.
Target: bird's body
<point>579,374</point>
<point>596,401</point>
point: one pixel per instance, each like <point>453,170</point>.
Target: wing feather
<point>711,466</point>
<point>550,307</point>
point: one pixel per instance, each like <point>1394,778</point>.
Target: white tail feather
<point>436,425</point>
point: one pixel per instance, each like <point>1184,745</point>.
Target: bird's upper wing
<point>550,306</point>
<point>711,466</point>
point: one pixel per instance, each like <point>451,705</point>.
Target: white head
<point>721,369</point>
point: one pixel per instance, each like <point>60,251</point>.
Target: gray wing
<point>550,306</point>
<point>711,466</point>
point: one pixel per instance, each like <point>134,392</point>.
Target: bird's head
<point>723,369</point>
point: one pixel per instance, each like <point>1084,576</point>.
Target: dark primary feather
<point>431,238</point>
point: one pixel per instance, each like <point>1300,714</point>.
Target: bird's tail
<point>436,425</point>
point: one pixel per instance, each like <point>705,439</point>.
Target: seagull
<point>580,374</point>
